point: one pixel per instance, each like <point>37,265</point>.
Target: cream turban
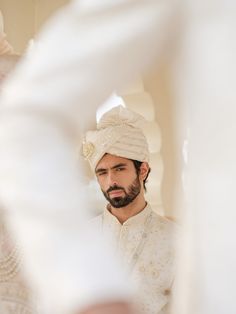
<point>118,133</point>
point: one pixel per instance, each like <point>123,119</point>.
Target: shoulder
<point>163,221</point>
<point>164,227</point>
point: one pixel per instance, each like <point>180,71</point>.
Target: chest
<point>147,252</point>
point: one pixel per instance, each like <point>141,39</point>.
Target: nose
<point>111,178</point>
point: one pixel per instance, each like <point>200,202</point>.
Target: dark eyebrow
<point>114,167</point>
<point>100,170</point>
<point>119,165</point>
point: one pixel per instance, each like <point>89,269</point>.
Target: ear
<point>144,170</point>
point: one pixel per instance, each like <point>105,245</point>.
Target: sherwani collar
<point>138,219</point>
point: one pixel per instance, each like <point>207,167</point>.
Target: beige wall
<point>157,85</point>
<point>44,9</point>
<point>23,18</point>
<point>19,22</point>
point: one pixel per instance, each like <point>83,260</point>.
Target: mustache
<point>115,188</point>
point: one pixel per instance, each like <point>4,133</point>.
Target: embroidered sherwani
<point>146,244</point>
<point>88,50</point>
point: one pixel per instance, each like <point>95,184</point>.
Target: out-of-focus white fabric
<point>85,51</point>
<point>15,297</point>
<point>81,57</point>
<point>205,97</point>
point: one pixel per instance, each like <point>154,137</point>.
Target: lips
<point>116,193</point>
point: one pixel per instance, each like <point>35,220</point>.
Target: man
<point>82,49</point>
<point>118,154</point>
<point>87,56</point>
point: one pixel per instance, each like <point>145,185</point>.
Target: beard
<point>121,201</point>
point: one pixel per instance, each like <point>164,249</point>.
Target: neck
<point>124,213</point>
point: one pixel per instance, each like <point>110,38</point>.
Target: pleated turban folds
<point>119,132</point>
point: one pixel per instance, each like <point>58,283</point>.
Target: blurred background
<point>149,95</point>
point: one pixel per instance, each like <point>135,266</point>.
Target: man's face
<point>118,180</point>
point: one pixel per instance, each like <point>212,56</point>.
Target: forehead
<point>108,161</point>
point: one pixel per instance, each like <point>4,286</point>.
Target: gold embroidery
<point>87,149</point>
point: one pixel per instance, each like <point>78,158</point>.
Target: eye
<point>102,173</point>
<point>120,169</point>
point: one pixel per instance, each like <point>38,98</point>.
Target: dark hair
<point>137,165</point>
